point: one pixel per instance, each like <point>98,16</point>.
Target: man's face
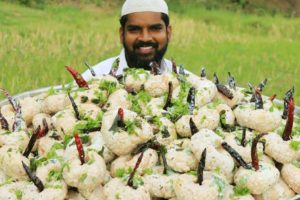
<point>145,38</point>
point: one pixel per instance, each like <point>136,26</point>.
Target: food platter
<point>35,92</point>
<point>117,136</point>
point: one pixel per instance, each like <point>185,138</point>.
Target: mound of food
<point>146,135</point>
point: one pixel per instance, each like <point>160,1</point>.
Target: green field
<point>36,44</point>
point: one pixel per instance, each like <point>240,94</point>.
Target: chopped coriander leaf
<point>85,139</point>
<point>143,96</point>
<point>109,86</point>
<point>241,191</point>
<point>129,170</point>
<point>157,121</point>
<point>5,132</point>
<point>136,108</point>
<point>57,146</point>
<point>296,130</point>
<point>91,161</point>
<point>178,109</point>
<point>137,181</point>
<point>139,100</point>
<point>163,150</point>
<point>120,172</point>
<point>115,64</point>
<point>29,133</point>
<point>220,184</point>
<point>67,139</point>
<point>280,130</point>
<point>220,132</point>
<point>136,73</point>
<point>296,163</point>
<point>238,135</point>
<point>194,173</point>
<point>60,114</point>
<point>124,173</point>
<point>243,181</point>
<point>148,171</point>
<point>217,170</point>
<point>92,80</point>
<point>82,177</point>
<point>88,123</point>
<point>130,126</point>
<point>245,92</point>
<point>52,153</point>
<point>88,118</point>
<point>118,196</point>
<point>184,91</point>
<point>67,87</point>
<point>54,176</point>
<point>214,104</point>
<point>203,119</point>
<point>36,162</point>
<point>8,181</point>
<point>101,152</point>
<point>100,97</point>
<point>242,107</point>
<point>279,106</point>
<point>222,118</point>
<point>295,145</point>
<point>19,194</point>
<point>52,91</point>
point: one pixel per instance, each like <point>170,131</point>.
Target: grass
<point>37,44</point>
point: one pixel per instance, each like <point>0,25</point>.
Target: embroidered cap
<point>132,6</point>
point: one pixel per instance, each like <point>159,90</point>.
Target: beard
<point>137,60</point>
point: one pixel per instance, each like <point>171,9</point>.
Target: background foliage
<point>253,42</point>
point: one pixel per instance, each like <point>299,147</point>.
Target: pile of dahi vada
<point>145,135</point>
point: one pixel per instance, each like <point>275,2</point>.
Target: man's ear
<point>121,32</point>
<point>169,32</point>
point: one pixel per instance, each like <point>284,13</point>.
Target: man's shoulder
<point>101,68</point>
<point>104,66</point>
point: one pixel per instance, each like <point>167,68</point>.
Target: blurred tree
<point>291,7</point>
<point>295,4</point>
<point>242,3</point>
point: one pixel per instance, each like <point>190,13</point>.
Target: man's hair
<point>164,17</point>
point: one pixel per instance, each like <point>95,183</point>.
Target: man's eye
<point>133,29</point>
<point>156,28</point>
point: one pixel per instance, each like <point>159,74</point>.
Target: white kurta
<point>105,66</point>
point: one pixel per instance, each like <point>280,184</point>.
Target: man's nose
<point>145,35</point>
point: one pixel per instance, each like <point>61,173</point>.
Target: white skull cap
<point>132,6</point>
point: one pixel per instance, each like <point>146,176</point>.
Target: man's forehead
<point>144,18</point>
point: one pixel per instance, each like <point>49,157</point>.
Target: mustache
<point>145,44</point>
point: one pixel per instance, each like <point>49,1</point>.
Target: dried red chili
<point>78,78</point>
<point>79,148</point>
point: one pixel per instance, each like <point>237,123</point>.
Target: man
<point>145,33</point>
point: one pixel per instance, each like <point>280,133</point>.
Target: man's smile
<point>145,50</point>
